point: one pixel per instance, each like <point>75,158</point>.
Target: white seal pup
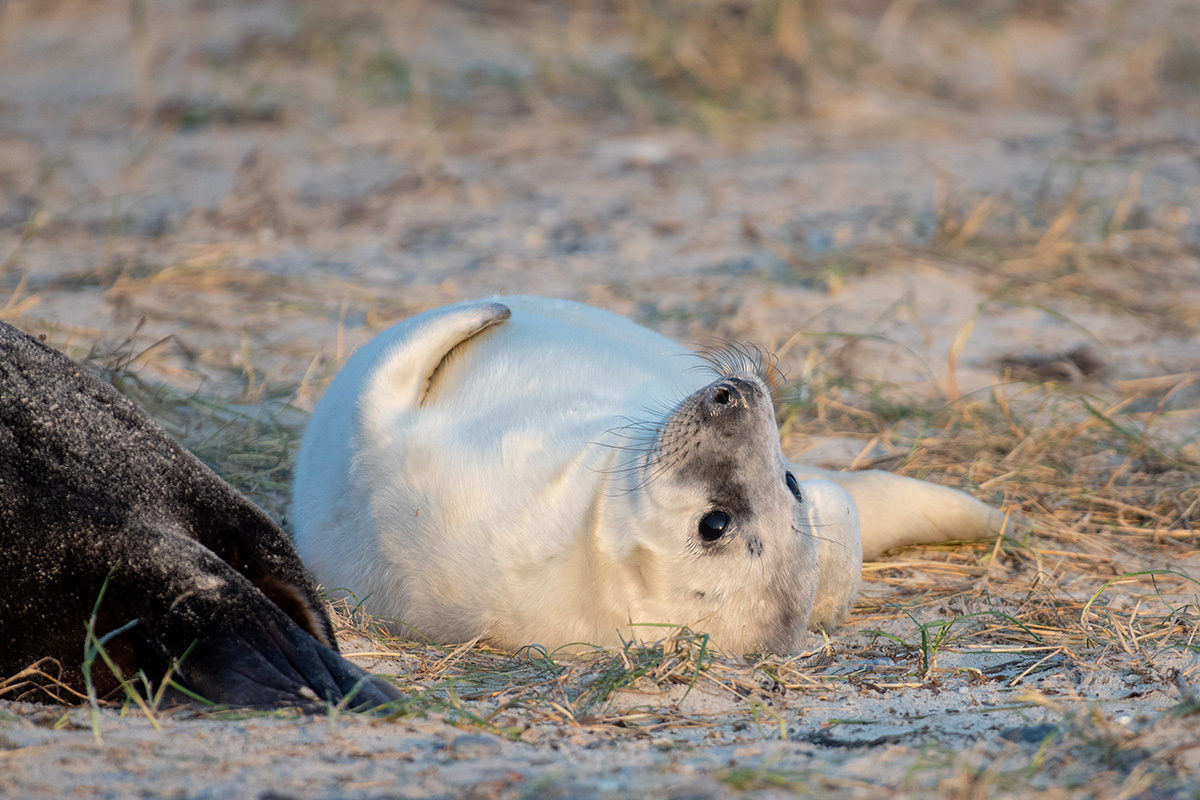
<point>533,471</point>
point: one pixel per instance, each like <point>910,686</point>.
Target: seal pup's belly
<point>531,471</point>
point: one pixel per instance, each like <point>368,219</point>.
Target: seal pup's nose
<point>730,393</point>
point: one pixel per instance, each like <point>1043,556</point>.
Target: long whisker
<point>640,440</point>
<point>728,357</point>
<point>811,534</point>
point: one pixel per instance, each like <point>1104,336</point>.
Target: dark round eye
<point>713,525</point>
<point>793,484</point>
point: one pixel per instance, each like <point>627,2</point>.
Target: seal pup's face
<point>730,555</point>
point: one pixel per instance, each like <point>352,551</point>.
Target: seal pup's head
<point>721,541</point>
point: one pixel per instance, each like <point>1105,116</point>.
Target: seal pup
<point>101,510</point>
<point>526,470</point>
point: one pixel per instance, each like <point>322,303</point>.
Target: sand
<point>218,205</point>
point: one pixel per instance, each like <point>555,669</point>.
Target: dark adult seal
<point>95,496</point>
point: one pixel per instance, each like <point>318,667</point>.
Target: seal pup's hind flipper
<point>895,511</point>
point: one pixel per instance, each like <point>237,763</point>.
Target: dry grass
<point>721,65</point>
<point>726,64</point>
<point>1101,477</point>
<point>1106,503</point>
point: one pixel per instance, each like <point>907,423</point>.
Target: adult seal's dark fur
<point>93,491</point>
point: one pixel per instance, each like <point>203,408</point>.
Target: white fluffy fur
<point>473,475</point>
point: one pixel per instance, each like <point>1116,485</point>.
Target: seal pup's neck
<point>587,592</point>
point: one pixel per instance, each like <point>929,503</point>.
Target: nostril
<point>721,396</point>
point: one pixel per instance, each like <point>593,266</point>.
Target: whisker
<point>812,535</point>
<point>729,357</point>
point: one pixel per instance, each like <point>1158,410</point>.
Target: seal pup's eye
<point>794,485</point>
<point>713,525</point>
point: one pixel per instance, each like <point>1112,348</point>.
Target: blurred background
<point>969,231</point>
<point>907,200</point>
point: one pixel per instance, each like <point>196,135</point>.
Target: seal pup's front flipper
<point>408,370</point>
<point>895,511</point>
<point>348,451</point>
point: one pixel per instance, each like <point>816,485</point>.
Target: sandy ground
<point>202,198</point>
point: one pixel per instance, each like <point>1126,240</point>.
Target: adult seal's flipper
<point>228,641</point>
<point>98,503</point>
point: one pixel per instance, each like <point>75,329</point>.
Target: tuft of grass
<point>679,659</point>
<point>752,779</point>
<point>136,689</point>
<point>40,679</point>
